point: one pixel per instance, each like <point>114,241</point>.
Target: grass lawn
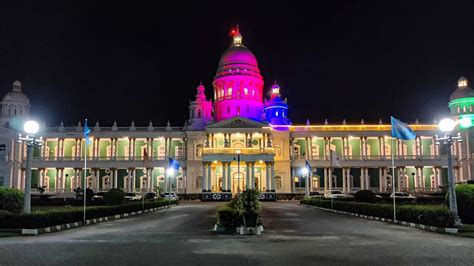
<point>467,230</point>
<point>39,209</point>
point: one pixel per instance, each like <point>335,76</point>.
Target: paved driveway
<point>294,235</point>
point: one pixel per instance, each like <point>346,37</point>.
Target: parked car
<point>150,195</point>
<point>337,194</point>
<point>402,195</point>
<point>131,196</point>
<point>315,194</point>
<point>171,196</point>
<point>99,196</point>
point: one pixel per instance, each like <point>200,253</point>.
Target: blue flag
<point>308,166</point>
<point>174,164</point>
<point>87,131</point>
<point>401,130</point>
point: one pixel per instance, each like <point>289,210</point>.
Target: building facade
<point>238,139</point>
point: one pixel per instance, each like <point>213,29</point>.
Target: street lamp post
<point>447,125</point>
<point>30,128</point>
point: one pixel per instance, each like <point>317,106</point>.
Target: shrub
<point>114,196</point>
<point>11,199</point>
<point>434,215</point>
<point>251,207</point>
<point>58,217</point>
<point>365,196</point>
<point>228,217</point>
<point>465,200</point>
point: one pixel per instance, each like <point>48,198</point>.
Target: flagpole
<point>393,180</point>
<point>85,178</point>
<point>330,179</point>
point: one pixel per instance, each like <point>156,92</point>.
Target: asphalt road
<point>294,235</point>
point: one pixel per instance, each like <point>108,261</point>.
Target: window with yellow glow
<point>462,83</point>
<point>229,91</point>
<point>246,91</point>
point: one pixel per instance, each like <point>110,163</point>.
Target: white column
<point>247,175</point>
<point>292,181</point>
<point>209,177</point>
<point>367,178</point>
<point>229,178</point>
<point>326,180</point>
<point>272,176</point>
<point>349,180</point>
<point>381,175</point>
<point>252,175</point>
<point>362,179</point>
<point>344,180</point>
<point>204,177</point>
<point>330,178</point>
<point>224,176</point>
<point>422,178</point>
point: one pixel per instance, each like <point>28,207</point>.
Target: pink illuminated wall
<point>238,84</point>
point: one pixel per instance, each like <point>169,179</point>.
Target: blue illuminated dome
<point>276,109</point>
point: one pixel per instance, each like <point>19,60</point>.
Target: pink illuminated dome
<point>238,85</point>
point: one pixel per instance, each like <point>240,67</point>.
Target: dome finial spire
<point>236,36</point>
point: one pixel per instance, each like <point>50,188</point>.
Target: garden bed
<point>59,216</point>
<point>430,215</point>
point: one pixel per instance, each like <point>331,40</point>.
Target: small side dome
<point>16,95</point>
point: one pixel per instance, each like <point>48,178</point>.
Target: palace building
<point>236,140</point>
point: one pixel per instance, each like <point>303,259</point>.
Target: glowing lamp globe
<point>31,127</point>
<point>465,122</point>
<point>305,171</point>
<point>447,125</point>
<point>170,171</point>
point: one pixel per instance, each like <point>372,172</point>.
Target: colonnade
<point>209,172</point>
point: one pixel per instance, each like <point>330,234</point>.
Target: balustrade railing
<point>238,151</point>
<point>107,158</point>
<point>377,157</point>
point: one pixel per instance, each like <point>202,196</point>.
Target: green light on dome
<point>465,121</point>
<point>462,101</point>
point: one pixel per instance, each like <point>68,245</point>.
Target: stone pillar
<point>326,180</point>
<point>247,175</point>
<point>330,178</point>
<point>349,180</point>
<point>209,177</point>
<point>367,178</point>
<point>229,176</point>
<point>224,177</point>
<point>344,180</point>
<point>252,175</point>
<point>272,177</point>
<point>381,178</point>
<point>292,180</point>
<point>362,179</point>
<point>421,178</point>
<point>204,177</point>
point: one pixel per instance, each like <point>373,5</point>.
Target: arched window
<point>229,91</point>
<point>464,109</point>
<point>199,113</point>
<point>198,181</point>
<point>246,91</point>
<point>278,182</point>
<point>198,150</point>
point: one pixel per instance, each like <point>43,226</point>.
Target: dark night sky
<point>337,60</point>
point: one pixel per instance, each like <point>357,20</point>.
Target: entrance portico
<point>238,155</point>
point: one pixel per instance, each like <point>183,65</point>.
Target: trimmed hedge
<point>228,217</point>
<point>438,216</point>
<point>465,200</point>
<point>56,217</point>
<point>364,196</point>
<point>11,199</point>
<point>114,196</point>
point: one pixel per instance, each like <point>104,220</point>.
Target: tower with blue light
<point>276,109</point>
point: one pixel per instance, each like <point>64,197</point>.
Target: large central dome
<point>237,57</point>
<point>238,84</point>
